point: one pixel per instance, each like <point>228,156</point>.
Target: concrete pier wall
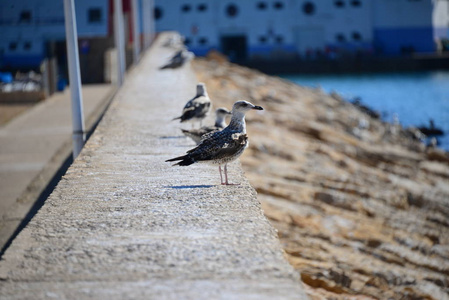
<point>123,224</point>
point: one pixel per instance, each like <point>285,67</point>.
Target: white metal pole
<point>148,22</point>
<point>74,77</point>
<point>119,41</point>
<point>136,30</point>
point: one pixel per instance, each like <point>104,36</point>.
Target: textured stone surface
<point>362,212</point>
<point>124,224</point>
<point>34,145</point>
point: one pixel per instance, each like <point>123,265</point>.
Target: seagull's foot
<point>227,183</point>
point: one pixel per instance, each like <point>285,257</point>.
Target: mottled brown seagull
<point>197,108</point>
<point>222,147</point>
<point>220,123</point>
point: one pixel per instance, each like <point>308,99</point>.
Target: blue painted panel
<point>264,50</point>
<point>267,49</point>
<point>21,60</point>
<point>260,49</point>
<point>392,41</point>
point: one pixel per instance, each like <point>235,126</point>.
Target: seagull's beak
<point>258,107</point>
<point>229,113</point>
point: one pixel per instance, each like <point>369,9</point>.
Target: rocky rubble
<point>361,207</point>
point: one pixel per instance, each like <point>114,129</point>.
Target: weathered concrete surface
<point>123,224</point>
<point>33,147</point>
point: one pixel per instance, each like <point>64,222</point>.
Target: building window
<point>339,3</point>
<point>278,5</point>
<point>186,8</point>
<point>12,46</point>
<point>158,13</point>
<point>187,41</point>
<point>94,15</point>
<point>232,10</point>
<point>261,5</point>
<point>356,36</point>
<point>202,7</point>
<point>202,41</point>
<point>356,3</point>
<point>27,46</point>
<point>279,39</point>
<point>308,8</point>
<point>25,16</point>
<point>262,39</point>
<point>340,37</point>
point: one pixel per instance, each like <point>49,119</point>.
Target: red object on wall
<point>126,6</point>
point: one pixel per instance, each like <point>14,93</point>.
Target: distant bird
<point>179,59</point>
<point>197,108</point>
<point>220,116</point>
<point>222,147</point>
<point>174,41</point>
<point>431,130</point>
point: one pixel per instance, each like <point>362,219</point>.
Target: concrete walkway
<point>123,224</point>
<point>33,147</point>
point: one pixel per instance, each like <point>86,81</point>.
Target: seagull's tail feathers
<point>177,118</point>
<point>185,160</point>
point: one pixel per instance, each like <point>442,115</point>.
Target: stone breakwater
<point>124,224</point>
<point>361,208</point>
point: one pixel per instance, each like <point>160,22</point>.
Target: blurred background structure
<point>33,38</point>
<point>308,33</point>
<point>294,30</point>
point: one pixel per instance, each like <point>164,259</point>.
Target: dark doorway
<point>234,46</point>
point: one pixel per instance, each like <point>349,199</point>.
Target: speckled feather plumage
<point>197,134</point>
<point>197,108</point>
<point>220,147</point>
<point>220,123</point>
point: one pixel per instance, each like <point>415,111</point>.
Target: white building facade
<point>26,27</point>
<point>281,29</point>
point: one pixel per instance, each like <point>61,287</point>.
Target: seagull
<point>196,134</point>
<point>179,59</point>
<point>222,147</point>
<point>198,107</point>
<point>174,41</point>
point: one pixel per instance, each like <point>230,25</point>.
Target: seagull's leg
<point>221,177</point>
<point>226,176</point>
<point>226,173</point>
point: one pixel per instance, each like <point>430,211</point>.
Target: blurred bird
<point>179,59</point>
<point>174,41</point>
<point>220,116</point>
<point>198,107</point>
<point>222,147</point>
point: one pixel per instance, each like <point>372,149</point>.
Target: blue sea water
<point>414,97</point>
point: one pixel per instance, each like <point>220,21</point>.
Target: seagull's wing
<point>198,107</point>
<point>219,144</point>
<point>202,106</point>
<point>202,131</point>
